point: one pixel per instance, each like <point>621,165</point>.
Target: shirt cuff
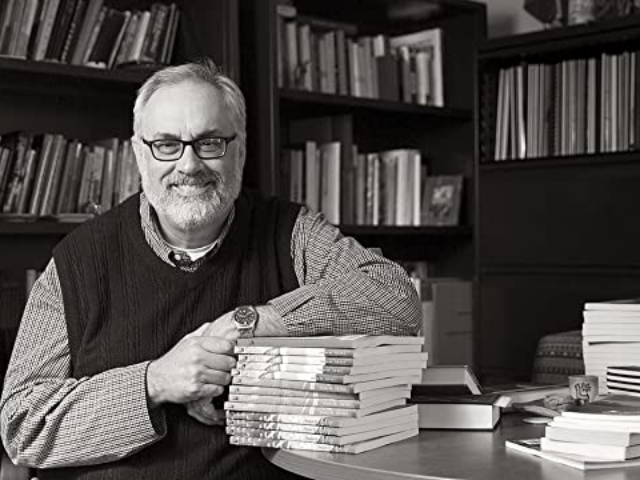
<point>291,301</point>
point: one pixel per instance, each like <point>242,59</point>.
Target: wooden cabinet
<point>557,197</point>
<point>444,135</point>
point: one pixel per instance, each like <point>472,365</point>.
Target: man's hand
<point>196,367</point>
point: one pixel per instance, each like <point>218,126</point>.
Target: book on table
<point>458,412</point>
<point>344,341</point>
<point>354,448</point>
<point>284,388</point>
<point>599,435</point>
<point>630,304</point>
<point>597,450</point>
<point>532,446</point>
<point>449,380</point>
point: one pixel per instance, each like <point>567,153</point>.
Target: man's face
<point>189,192</point>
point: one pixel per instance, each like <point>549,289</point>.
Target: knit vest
<point>124,305</point>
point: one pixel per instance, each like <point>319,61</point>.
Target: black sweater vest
<point>124,305</point>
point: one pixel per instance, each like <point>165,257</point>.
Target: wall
<point>508,17</point>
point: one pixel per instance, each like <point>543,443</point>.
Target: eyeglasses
<point>172,149</point>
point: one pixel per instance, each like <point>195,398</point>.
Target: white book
<point>317,402</point>
<point>327,378</point>
<point>532,446</point>
<point>420,357</point>
<point>403,391</point>
<point>310,410</point>
<point>354,448</point>
<point>330,154</point>
<point>323,387</point>
<point>578,435</point>
<point>255,433</point>
<point>330,341</point>
<point>606,452</point>
<point>629,305</point>
<point>330,370</point>
<point>432,39</point>
<point>321,429</point>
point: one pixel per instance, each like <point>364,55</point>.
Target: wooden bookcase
<point>87,104</point>
<point>444,135</point>
<point>90,104</point>
<point>556,228</point>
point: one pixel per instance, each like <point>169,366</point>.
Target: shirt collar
<point>151,230</point>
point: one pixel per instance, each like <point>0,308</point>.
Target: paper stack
<point>610,336</point>
<point>598,435</point>
<point>343,394</point>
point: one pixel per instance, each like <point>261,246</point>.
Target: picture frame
<point>441,200</point>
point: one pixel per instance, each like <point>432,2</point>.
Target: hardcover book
<point>531,446</point>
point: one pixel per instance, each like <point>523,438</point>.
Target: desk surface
<point>443,455</point>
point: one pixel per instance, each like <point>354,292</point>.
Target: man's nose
<point>189,162</point>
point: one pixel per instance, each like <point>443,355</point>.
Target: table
<point>436,454</point>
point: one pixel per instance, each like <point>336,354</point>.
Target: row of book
<point>599,435</point>
<point>326,56</point>
<point>87,32</point>
<point>48,174</point>
<point>610,337</point>
<point>390,187</point>
<point>334,394</point>
<point>574,107</point>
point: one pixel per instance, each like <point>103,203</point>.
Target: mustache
<point>197,179</point>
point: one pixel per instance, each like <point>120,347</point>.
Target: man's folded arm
<point>48,418</point>
<point>345,288</point>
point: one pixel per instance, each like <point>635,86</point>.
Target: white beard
<point>191,212</point>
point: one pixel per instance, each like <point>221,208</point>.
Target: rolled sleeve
<point>345,287</point>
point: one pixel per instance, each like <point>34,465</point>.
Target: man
<point>128,334</point>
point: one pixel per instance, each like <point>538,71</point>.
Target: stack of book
<point>597,435</point>
<point>335,394</point>
<point>624,379</point>
<point>610,336</point>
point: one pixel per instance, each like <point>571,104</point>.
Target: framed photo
<point>441,201</point>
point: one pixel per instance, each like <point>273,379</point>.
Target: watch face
<point>245,316</point>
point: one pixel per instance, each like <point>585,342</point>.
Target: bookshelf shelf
<point>401,231</point>
<point>127,76</point>
<point>37,227</point>
<point>335,104</point>
<point>563,161</point>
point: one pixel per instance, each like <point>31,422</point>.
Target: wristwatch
<point>245,318</point>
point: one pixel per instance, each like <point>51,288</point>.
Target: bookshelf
<point>86,103</point>
<point>89,104</point>
<point>555,211</point>
<point>287,111</point>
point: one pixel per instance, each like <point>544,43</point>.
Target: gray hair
<point>203,70</point>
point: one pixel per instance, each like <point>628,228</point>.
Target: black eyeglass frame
<point>192,143</point>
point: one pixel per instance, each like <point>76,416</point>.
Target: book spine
<point>287,392</point>
<point>288,427</point>
<point>325,421</point>
<point>293,384</point>
<point>73,32</point>
<point>262,442</point>
<point>291,409</point>
<point>258,433</point>
<point>295,401</point>
<point>298,359</point>
<point>93,11</point>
